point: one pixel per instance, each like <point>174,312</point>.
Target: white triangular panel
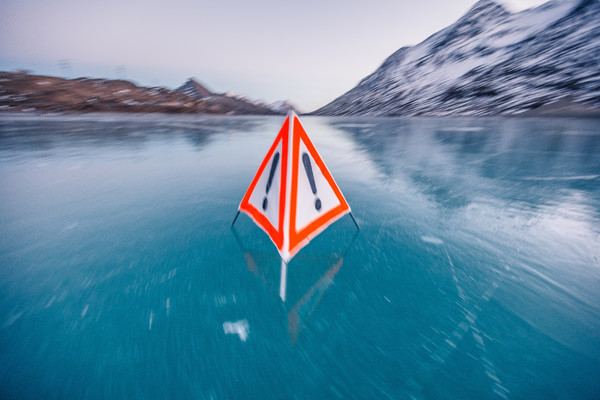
<point>269,208</point>
<point>309,205</point>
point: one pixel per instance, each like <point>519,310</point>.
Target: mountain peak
<point>487,4</point>
<point>485,10</point>
<point>195,89</point>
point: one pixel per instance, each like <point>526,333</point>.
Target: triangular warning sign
<point>293,196</point>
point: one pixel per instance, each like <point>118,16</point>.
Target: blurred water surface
<point>476,272</point>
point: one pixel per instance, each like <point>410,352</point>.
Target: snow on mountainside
<point>283,107</point>
<point>488,62</point>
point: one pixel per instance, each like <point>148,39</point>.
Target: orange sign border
<point>259,218</point>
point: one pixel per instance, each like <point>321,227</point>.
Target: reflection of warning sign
<point>293,196</point>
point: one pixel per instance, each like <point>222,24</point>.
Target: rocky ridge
<point>21,91</point>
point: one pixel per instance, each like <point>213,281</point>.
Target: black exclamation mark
<point>271,173</point>
<point>311,179</point>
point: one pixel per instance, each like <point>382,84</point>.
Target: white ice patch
<point>240,328</point>
<point>561,178</point>
<point>462,129</point>
<point>354,125</point>
<point>432,240</point>
<point>50,302</point>
<point>12,319</point>
<point>71,226</point>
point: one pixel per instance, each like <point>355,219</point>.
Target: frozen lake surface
<point>476,272</point>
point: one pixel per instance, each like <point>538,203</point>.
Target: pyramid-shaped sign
<point>293,196</point>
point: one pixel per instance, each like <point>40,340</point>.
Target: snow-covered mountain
<point>283,107</point>
<point>488,62</point>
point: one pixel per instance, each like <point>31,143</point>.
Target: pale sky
<point>308,52</point>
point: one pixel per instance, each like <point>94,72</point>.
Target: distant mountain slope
<point>20,91</point>
<point>488,62</point>
<point>237,103</point>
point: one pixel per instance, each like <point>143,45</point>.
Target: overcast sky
<point>308,52</point>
